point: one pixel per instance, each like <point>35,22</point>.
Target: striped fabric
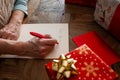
<point>6,7</point>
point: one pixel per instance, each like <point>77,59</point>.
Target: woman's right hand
<point>39,47</point>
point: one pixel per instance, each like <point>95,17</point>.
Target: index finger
<point>48,41</point>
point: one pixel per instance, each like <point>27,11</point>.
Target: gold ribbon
<point>65,67</point>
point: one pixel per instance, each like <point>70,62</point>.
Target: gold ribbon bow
<point>65,66</point>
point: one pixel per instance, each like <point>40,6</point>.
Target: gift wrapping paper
<point>89,66</point>
<point>107,15</point>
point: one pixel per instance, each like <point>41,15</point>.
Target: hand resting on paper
<point>11,30</point>
<point>40,47</point>
<point>35,47</point>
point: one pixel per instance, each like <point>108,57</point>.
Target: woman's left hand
<point>11,31</point>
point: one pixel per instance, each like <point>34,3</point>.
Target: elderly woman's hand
<point>11,31</point>
<point>39,47</point>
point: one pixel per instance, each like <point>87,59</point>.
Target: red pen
<point>38,35</point>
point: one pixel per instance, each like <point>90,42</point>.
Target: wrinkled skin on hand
<point>10,31</point>
<point>37,47</point>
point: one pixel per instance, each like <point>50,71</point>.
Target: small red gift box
<point>91,3</point>
<point>89,66</point>
<point>107,15</point>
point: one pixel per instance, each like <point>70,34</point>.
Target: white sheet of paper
<point>57,31</point>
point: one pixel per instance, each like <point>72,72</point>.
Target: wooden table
<point>80,19</point>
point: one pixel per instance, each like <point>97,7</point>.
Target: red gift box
<point>107,15</point>
<point>89,66</point>
<point>91,3</point>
